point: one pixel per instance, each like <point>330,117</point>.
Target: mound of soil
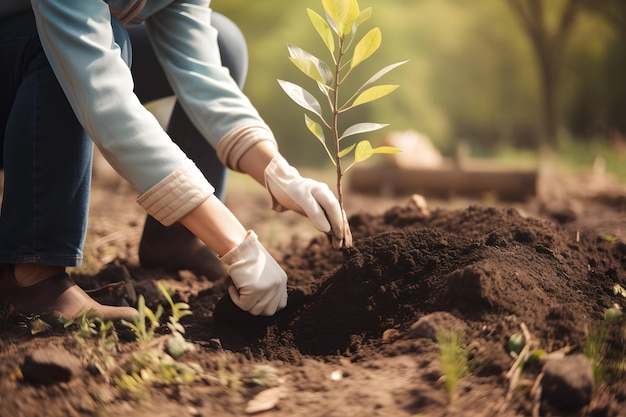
<point>492,268</point>
<point>478,263</point>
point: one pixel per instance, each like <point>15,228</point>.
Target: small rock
<point>421,206</point>
<point>390,335</point>
<point>50,365</point>
<point>567,382</point>
<point>430,325</point>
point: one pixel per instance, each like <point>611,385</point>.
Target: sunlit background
<point>505,76</point>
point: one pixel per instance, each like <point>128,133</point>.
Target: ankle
<point>30,274</point>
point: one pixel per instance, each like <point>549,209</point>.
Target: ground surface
<point>346,344</point>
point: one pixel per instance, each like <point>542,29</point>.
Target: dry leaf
<point>265,400</point>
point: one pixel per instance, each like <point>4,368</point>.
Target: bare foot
<point>175,248</point>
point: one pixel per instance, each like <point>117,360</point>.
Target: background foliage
<point>472,74</point>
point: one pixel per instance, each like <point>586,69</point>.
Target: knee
<point>120,34</point>
<point>233,47</point>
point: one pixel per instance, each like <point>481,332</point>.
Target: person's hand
<point>260,284</point>
<point>290,191</point>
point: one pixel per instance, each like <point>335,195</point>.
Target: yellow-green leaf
<point>318,132</point>
<point>315,128</point>
<point>373,93</point>
<point>363,151</point>
<point>346,151</point>
<point>321,69</point>
<point>364,16</point>
<point>309,68</point>
<point>323,29</point>
<point>343,13</point>
<point>386,149</point>
<point>366,47</point>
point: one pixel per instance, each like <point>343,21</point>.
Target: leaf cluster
<point>97,340</point>
<point>338,31</point>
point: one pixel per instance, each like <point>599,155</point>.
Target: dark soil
<point>548,265</point>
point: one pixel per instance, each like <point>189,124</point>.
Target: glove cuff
<point>248,256</point>
<point>240,251</point>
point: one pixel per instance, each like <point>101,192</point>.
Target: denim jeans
<point>45,153</point>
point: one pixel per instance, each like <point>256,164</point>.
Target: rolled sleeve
<point>236,143</point>
<point>176,195</point>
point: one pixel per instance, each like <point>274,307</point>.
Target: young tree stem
<point>335,117</point>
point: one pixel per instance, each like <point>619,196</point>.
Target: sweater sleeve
<point>78,41</point>
<point>186,46</point>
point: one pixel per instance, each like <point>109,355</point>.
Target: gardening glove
<point>290,191</point>
<point>260,284</point>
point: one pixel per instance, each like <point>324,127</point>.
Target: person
<point>66,82</point>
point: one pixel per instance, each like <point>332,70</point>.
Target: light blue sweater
<point>77,38</point>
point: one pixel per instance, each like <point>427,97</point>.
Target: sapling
<point>338,31</point>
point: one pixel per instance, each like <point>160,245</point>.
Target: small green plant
<point>339,34</point>
<point>176,345</point>
<point>228,375</point>
<point>151,365</point>
<point>593,350</point>
<point>264,376</point>
<point>454,363</point>
<point>606,345</point>
<point>96,339</point>
<point>619,290</point>
<point>515,344</point>
<point>143,332</point>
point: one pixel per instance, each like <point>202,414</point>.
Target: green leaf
<point>363,151</point>
<point>323,29</point>
<point>364,16</point>
<point>308,68</point>
<point>343,12</point>
<point>346,151</point>
<point>315,128</point>
<point>310,65</point>
<point>302,97</point>
<point>386,149</point>
<point>318,132</point>
<point>378,75</point>
<point>362,128</point>
<point>366,47</point>
<point>373,93</point>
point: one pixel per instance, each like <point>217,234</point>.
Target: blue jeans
<point>45,153</point>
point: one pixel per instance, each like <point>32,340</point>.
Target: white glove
<point>260,283</point>
<point>290,191</point>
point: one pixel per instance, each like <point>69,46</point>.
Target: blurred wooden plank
<point>472,179</point>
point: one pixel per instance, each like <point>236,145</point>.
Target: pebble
<point>50,365</point>
<point>568,382</point>
<point>430,325</point>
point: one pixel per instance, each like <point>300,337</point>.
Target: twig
<point>535,393</point>
<point>111,237</point>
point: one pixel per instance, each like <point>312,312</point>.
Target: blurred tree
<point>548,44</point>
<point>472,75</point>
<point>614,13</point>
